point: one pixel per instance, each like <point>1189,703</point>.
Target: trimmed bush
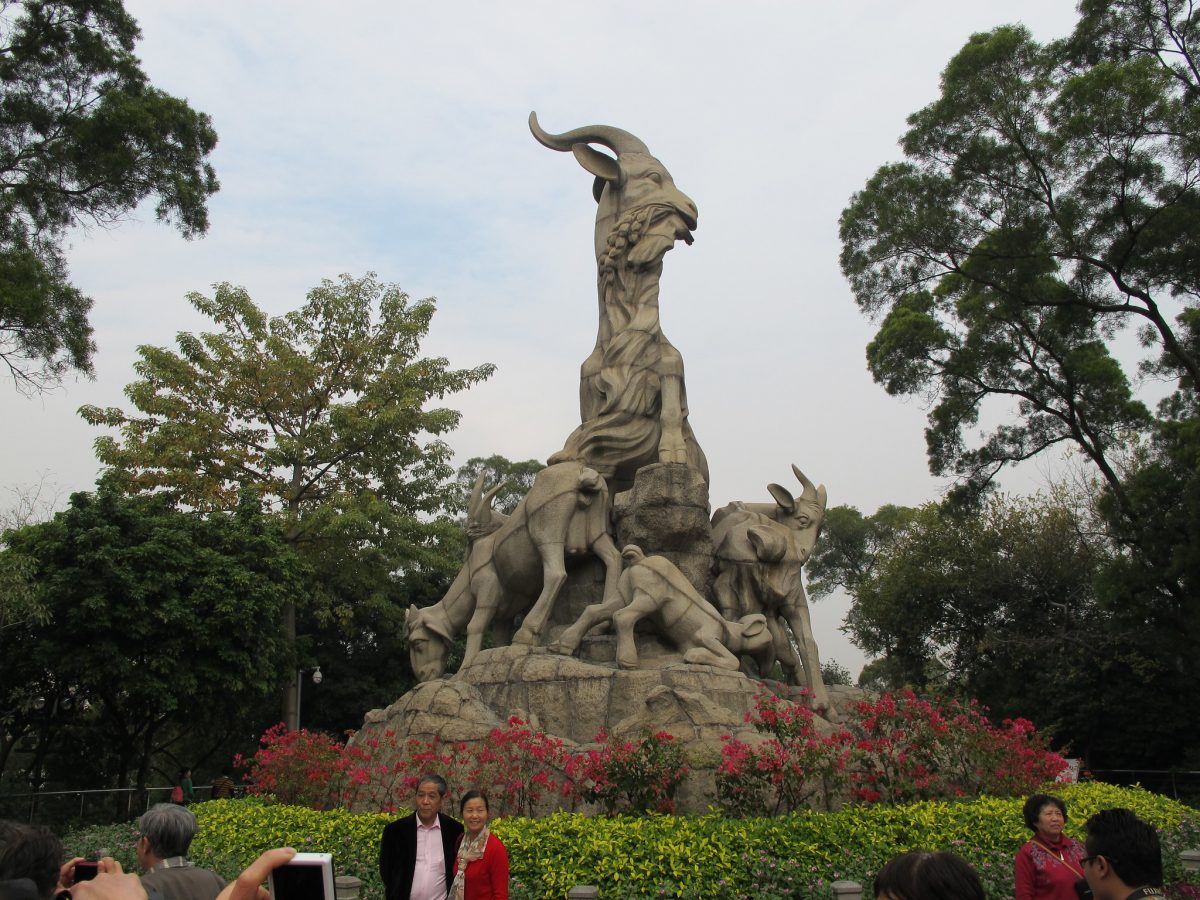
<point>680,856</point>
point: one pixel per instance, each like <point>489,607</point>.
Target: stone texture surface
<point>574,700</point>
<point>666,513</point>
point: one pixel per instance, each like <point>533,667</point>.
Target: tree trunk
<point>291,694</point>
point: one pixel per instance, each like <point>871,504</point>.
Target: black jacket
<point>398,853</point>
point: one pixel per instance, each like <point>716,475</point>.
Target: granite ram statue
<point>513,560</point>
<point>760,550</point>
<point>653,589</point>
<point>632,399</point>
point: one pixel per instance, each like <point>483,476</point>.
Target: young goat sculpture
<point>564,513</point>
<point>653,588</point>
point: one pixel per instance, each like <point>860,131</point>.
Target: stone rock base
<point>666,513</point>
<point>574,700</point>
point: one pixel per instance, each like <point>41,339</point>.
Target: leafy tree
<point>850,545</point>
<point>84,138</point>
<point>1046,211</point>
<point>1012,603</point>
<point>1048,203</point>
<point>163,621</point>
<point>322,414</point>
<point>516,479</point>
<point>832,672</point>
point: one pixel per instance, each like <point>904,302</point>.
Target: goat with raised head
<point>632,400</point>
<point>760,552</point>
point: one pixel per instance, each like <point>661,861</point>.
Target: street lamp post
<point>317,678</point>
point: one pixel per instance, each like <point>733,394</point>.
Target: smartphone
<point>86,870</point>
<point>309,876</point>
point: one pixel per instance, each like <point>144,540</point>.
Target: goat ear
<point>438,627</point>
<point>753,625</point>
<point>769,546</point>
<point>783,497</point>
<point>599,164</point>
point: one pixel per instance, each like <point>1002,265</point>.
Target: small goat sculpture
<point>652,588</point>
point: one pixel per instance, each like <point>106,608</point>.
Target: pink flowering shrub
<point>787,770</point>
<point>633,776</point>
<point>305,768</point>
<point>521,770</point>
<point>896,749</point>
<point>907,748</point>
<point>516,766</point>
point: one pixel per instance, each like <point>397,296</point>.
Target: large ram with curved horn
<point>632,400</point>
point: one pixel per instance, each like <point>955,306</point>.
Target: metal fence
<point>1182,784</point>
<point>86,806</point>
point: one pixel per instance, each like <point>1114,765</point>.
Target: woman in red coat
<point>1048,866</point>
<point>481,866</point>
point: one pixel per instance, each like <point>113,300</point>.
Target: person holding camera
<point>1124,857</point>
<point>1050,863</point>
<point>165,832</point>
<point>481,863</point>
<point>416,853</point>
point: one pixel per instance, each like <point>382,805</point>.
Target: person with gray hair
<point>165,832</point>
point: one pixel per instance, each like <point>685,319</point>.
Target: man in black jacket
<point>1124,860</point>
<point>416,853</point>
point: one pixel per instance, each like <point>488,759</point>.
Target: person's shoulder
<point>408,821</point>
<point>19,889</point>
<point>450,823</point>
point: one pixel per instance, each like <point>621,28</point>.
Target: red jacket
<point>487,877</point>
<point>1042,875</point>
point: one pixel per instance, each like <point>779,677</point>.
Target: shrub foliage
<point>797,855</point>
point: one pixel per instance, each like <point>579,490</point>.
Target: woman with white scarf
<point>481,864</point>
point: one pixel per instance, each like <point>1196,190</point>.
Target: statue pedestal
<point>574,700</point>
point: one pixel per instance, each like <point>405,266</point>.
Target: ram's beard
<point>650,249</point>
<point>663,231</point>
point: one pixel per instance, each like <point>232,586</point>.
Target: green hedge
<point>702,856</point>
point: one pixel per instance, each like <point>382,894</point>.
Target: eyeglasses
<point>1088,859</point>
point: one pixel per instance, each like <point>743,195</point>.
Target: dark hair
<point>1034,806</point>
<point>921,875</point>
<point>169,829</point>
<point>436,780</point>
<point>1129,844</point>
<point>473,795</point>
<point>33,852</point>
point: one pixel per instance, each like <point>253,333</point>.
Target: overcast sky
<point>391,137</point>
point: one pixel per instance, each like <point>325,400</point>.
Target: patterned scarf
<point>469,850</point>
